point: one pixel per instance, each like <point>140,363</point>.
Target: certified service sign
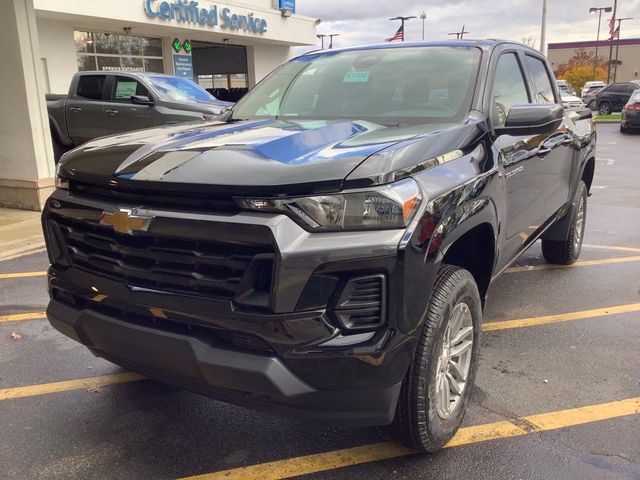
<point>186,11</point>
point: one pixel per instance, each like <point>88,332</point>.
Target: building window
<point>228,81</point>
<point>112,52</point>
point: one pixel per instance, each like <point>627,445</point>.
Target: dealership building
<point>626,50</point>
<point>219,44</point>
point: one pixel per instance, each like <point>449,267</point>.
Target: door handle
<point>544,151</point>
<point>75,109</point>
<point>111,112</point>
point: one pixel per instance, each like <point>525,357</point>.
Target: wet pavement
<point>143,429</point>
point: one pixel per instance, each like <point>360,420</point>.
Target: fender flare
<point>462,220</point>
<point>57,133</point>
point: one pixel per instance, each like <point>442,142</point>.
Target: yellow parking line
<point>79,384</point>
<point>22,274</point>
<point>321,462</point>
<point>22,316</point>
<point>583,263</point>
<point>563,317</point>
<point>609,247</point>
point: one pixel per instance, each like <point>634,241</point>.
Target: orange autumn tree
<point>579,69</point>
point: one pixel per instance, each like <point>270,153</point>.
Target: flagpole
<point>543,29</point>
<point>615,10</point>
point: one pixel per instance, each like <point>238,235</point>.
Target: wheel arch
<point>472,243</point>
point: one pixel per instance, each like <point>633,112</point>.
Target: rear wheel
<point>438,385</point>
<point>567,252</point>
<point>604,108</point>
<point>592,105</point>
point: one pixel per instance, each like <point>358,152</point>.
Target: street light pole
<point>543,29</point>
<point>331,39</point>
<point>615,71</point>
<point>423,16</point>
<point>593,10</point>
<point>402,19</point>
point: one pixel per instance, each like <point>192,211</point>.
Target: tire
<point>567,252</point>
<point>604,108</point>
<point>592,105</point>
<point>422,422</point>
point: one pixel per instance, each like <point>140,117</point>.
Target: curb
<point>28,246</point>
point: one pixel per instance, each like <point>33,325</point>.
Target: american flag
<point>398,36</point>
<point>616,34</point>
<point>612,27</point>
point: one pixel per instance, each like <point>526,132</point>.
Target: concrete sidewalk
<point>20,233</point>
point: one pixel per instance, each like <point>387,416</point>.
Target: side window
<point>631,88</point>
<point>124,88</point>
<point>541,80</point>
<point>509,88</point>
<point>90,86</point>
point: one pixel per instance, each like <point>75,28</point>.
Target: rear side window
<point>541,80</point>
<point>509,88</point>
<point>90,86</point>
<point>124,88</point>
<point>632,88</point>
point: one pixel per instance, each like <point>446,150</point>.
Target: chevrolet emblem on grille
<point>125,221</point>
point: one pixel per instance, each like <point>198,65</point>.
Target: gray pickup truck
<point>100,104</point>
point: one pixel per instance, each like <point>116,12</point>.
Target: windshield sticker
<point>356,77</point>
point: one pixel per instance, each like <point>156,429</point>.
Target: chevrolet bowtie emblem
<point>124,221</point>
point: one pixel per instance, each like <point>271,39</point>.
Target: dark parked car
<point>325,250</point>
<point>614,97</point>
<point>589,98</point>
<point>100,104</point>
<point>631,113</point>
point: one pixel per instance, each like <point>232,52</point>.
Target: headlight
<point>389,207</point>
<point>62,183</point>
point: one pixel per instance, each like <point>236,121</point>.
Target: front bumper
<point>252,380</point>
<point>292,357</point>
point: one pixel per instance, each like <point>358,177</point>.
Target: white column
<point>26,155</point>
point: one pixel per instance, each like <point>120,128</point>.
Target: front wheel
<point>567,251</point>
<point>438,385</point>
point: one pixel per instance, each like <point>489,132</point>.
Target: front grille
<point>150,197</point>
<point>136,315</point>
<point>362,303</point>
<point>181,265</point>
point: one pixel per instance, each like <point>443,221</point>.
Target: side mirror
<point>141,100</point>
<point>532,119</point>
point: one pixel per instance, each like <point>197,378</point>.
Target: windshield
<point>386,85</point>
<point>176,89</point>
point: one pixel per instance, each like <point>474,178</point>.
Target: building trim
<point>592,44</point>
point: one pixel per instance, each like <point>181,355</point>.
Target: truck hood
<point>272,157</point>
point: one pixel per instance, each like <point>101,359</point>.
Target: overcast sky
<point>367,21</point>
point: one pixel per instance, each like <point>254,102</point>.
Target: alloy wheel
<point>454,361</point>
<point>579,227</point>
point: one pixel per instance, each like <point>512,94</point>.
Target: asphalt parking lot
<point>557,394</point>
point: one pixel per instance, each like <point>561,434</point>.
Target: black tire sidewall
<point>441,430</point>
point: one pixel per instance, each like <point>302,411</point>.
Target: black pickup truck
<point>325,249</point>
<point>100,104</point>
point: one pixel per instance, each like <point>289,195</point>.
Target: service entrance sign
<point>183,66</point>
